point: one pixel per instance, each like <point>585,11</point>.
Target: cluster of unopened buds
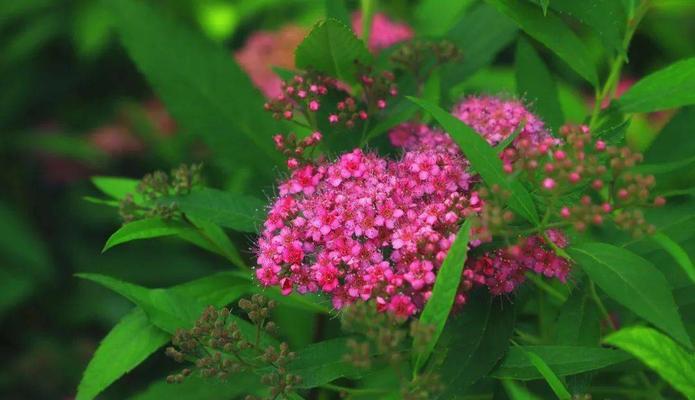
<point>295,149</point>
<point>418,54</point>
<point>599,175</point>
<point>303,92</point>
<point>219,347</point>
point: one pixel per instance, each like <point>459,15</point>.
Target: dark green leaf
<point>661,354</point>
<point>548,374</point>
<point>564,360</point>
<point>483,158</point>
<point>535,83</point>
<point>634,282</point>
<point>473,342</point>
<point>438,307</point>
<point>674,142</point>
<point>671,87</point>
<point>202,87</point>
<point>579,322</point>
<point>230,210</point>
<point>607,18</point>
<point>197,388</point>
<point>332,48</point>
<point>552,32</point>
<point>478,43</point>
<point>323,362</point>
<point>436,17</point>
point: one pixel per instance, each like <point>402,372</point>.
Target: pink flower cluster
<point>384,33</point>
<point>495,119</point>
<point>364,227</point>
<point>501,271</point>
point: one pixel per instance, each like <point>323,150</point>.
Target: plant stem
<point>608,89</point>
<point>601,307</point>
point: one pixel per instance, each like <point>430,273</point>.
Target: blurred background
<point>73,106</point>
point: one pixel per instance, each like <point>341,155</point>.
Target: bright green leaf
<point>671,87</point>
<point>117,187</point>
<point>201,85</point>
<point>230,210</point>
<point>118,352</point>
<point>332,48</point>
<point>146,229</point>
<point>438,307</point>
<point>516,392</point>
<point>634,282</point>
<point>677,252</point>
<point>483,158</point>
<point>548,374</point>
<point>323,362</point>
<point>660,353</point>
<point>536,85</point>
<point>564,360</point>
<point>552,32</point>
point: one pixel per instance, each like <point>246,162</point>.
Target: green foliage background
<point>70,67</point>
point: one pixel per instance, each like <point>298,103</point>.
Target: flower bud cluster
<point>502,270</point>
<point>157,186</point>
<point>592,181</point>
<point>304,93</point>
<point>296,149</point>
<point>218,347</point>
<point>421,56</point>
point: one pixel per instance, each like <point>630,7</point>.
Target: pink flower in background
<point>115,140</point>
<point>384,33</point>
<point>264,50</point>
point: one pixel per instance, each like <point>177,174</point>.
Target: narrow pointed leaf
<point>660,353</point>
<point>564,360</point>
<point>146,229</point>
<point>634,282</point>
<point>483,158</point>
<point>438,307</point>
<point>549,375</point>
<point>553,32</point>
<point>671,87</point>
<point>677,252</point>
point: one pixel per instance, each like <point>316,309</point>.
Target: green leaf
<point>323,362</point>
<point>660,353</point>
<point>215,236</point>
<point>677,252</point>
<point>579,322</point>
<point>483,158</point>
<point>552,32</point>
<point>536,85</point>
<point>203,88</point>
<point>544,6</point>
<point>146,229</point>
<point>671,87</point>
<point>564,360</point>
<point>516,392</point>
<point>230,210</point>
<point>117,187</point>
<point>436,17</point>
<point>548,374</point>
<point>607,18</point>
<point>633,282</point>
<point>674,142</point>
<point>119,352</point>
<point>478,43</point>
<point>438,307</point>
<point>473,342</point>
<point>332,48</point>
